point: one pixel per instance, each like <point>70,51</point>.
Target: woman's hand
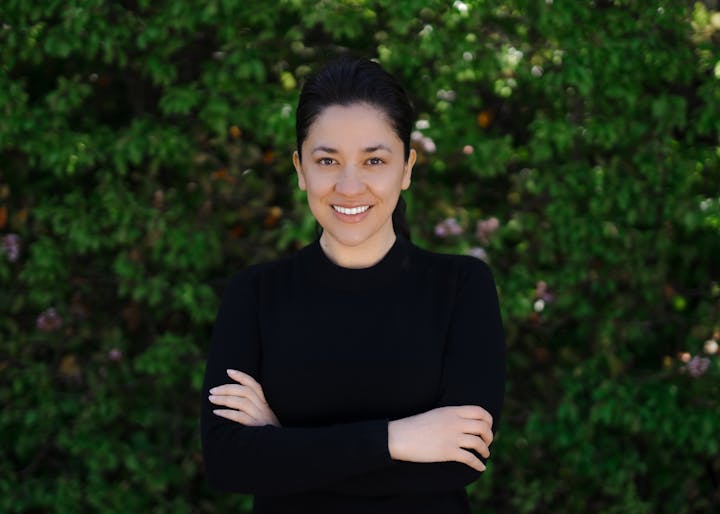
<point>441,434</point>
<point>247,401</point>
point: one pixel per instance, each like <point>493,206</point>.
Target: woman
<point>369,373</point>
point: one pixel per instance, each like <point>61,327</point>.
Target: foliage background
<point>145,155</point>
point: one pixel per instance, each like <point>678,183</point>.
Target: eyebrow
<point>369,149</point>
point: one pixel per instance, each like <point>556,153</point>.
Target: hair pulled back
<point>350,80</point>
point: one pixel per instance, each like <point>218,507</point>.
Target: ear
<point>407,172</point>
<point>298,169</point>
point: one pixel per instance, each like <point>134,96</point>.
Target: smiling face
<point>352,158</point>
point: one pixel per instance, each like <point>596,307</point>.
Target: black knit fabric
<point>340,352</point>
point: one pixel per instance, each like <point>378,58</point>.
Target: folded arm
<point>267,459</point>
<point>473,374</point>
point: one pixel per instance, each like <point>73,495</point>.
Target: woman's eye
<point>375,161</point>
<point>325,161</point>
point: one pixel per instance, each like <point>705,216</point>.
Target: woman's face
<point>352,158</point>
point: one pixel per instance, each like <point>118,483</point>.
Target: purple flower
<point>698,366</point>
<point>115,355</point>
<point>547,297</point>
<point>542,292</point>
<point>486,228</point>
<point>48,320</point>
<point>428,145</point>
<point>448,226</point>
<point>11,246</point>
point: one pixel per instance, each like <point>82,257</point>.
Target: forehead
<point>355,124</point>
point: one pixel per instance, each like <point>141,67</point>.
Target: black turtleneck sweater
<point>340,352</point>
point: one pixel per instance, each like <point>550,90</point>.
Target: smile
<point>353,211</point>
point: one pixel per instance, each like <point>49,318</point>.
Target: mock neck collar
<point>320,269</point>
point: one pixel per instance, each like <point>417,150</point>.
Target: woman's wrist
<point>395,439</point>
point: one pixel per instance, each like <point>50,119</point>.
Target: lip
<point>350,205</point>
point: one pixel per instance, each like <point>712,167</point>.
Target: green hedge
<point>145,155</point>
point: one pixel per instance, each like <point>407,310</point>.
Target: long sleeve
<point>473,374</point>
<point>272,460</point>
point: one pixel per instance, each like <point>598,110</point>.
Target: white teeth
<point>354,210</point>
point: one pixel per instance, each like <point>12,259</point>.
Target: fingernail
<point>232,371</point>
<point>212,391</point>
<point>216,411</point>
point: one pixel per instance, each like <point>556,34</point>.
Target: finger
<point>478,427</point>
<point>249,381</point>
<point>239,403</point>
<point>472,441</point>
<point>238,390</point>
<point>235,415</point>
<point>475,412</point>
<point>468,458</point>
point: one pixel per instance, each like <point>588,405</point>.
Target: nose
<point>350,181</point>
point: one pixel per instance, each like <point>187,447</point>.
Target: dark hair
<point>350,80</point>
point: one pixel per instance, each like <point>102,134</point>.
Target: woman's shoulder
<point>251,273</point>
<point>458,275</point>
<point>459,265</point>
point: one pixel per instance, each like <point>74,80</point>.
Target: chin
<point>349,237</point>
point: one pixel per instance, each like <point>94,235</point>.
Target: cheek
<point>388,184</point>
<point>318,184</point>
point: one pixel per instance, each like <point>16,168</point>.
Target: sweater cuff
<point>374,445</point>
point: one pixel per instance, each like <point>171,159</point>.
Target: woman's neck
<point>363,255</point>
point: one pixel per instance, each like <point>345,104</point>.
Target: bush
<point>145,150</point>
